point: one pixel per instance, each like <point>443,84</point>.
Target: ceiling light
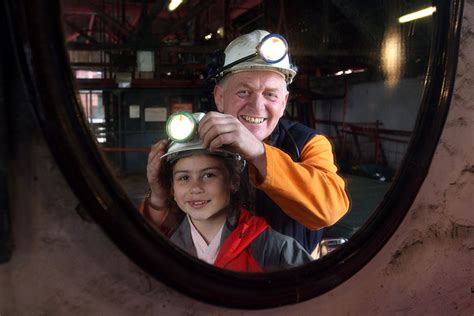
<point>220,31</point>
<point>174,4</point>
<point>348,71</point>
<point>417,15</point>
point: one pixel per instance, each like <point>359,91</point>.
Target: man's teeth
<point>253,120</point>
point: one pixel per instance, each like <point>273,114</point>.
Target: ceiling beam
<point>200,7</point>
<point>353,13</point>
<point>80,31</point>
<point>109,19</point>
<point>201,49</point>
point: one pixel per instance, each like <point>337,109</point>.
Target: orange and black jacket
<point>302,191</point>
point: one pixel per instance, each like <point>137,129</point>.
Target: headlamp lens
<point>273,48</point>
<point>181,127</point>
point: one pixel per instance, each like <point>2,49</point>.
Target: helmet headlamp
<point>181,127</point>
<point>272,49</point>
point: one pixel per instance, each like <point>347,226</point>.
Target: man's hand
<point>158,195</point>
<point>218,130</point>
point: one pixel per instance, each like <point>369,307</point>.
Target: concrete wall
<point>368,102</point>
<point>63,265</point>
<point>396,107</point>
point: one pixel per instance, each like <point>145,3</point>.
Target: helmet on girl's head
<point>192,143</point>
<point>258,50</point>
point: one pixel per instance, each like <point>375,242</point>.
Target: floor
<point>365,195</point>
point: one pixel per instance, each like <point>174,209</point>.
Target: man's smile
<point>252,119</point>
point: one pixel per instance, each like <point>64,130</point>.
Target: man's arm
<point>310,191</point>
<point>165,220</point>
<point>154,214</point>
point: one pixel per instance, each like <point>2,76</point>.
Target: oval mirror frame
<point>35,30</point>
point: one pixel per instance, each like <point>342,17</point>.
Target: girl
<point>205,187</point>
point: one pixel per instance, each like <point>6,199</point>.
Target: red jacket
<point>248,244</point>
<point>234,253</point>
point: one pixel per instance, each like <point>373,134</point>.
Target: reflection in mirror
<point>360,80</point>
<point>208,195</point>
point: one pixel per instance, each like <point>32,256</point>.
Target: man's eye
<point>271,96</point>
<point>243,93</point>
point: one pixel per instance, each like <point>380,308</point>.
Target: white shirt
<point>205,252</point>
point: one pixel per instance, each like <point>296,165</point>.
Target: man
<point>291,167</point>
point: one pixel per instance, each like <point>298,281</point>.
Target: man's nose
<point>258,101</point>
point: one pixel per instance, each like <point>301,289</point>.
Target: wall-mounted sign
<point>145,61</point>
<point>134,111</point>
<point>156,114</point>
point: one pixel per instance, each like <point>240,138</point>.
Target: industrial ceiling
<point>325,36</point>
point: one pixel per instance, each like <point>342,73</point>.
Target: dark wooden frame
<point>37,41</point>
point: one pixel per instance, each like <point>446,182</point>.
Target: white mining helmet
<point>181,128</point>
<point>258,50</point>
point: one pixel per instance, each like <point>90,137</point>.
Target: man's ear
<point>284,104</point>
<point>219,97</point>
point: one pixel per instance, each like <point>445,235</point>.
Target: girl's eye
<point>208,175</point>
<point>182,178</point>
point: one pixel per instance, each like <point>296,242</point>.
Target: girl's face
<point>202,186</point>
